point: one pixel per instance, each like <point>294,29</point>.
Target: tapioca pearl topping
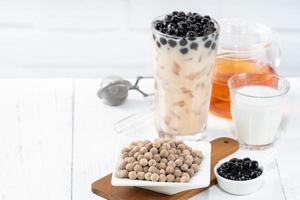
<point>207,44</point>
<point>183,42</point>
<point>172,43</point>
<point>163,41</point>
<point>194,46</point>
<point>184,50</point>
<point>183,24</point>
<point>213,46</point>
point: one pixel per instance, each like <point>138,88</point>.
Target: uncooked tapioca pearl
<point>144,162</point>
<point>195,167</point>
<point>186,152</point>
<point>148,146</point>
<point>184,167</point>
<point>148,155</point>
<point>133,144</point>
<point>189,157</point>
<point>148,176</point>
<point>124,155</point>
<point>136,155</point>
<point>172,151</point>
<point>191,172</point>
<point>181,147</point>
<point>164,153</point>
<point>177,173</point>
<point>122,173</point>
<point>156,157</point>
<point>123,164</point>
<point>172,163</point>
<point>170,178</point>
<point>197,161</point>
<point>184,179</point>
<point>132,175</point>
<point>131,159</point>
<point>166,146</point>
<point>177,180</point>
<point>197,153</point>
<point>173,145</point>
<point>189,148</point>
<point>154,177</point>
<point>156,144</point>
<point>178,151</point>
<point>143,150</point>
<point>129,167</point>
<point>162,165</point>
<point>141,175</point>
<point>188,162</point>
<point>131,153</point>
<point>152,169</point>
<point>164,160</point>
<point>162,178</point>
<point>145,169</point>
<point>154,150</point>
<point>178,162</point>
<point>125,150</point>
<point>138,168</point>
<point>146,141</point>
<point>136,149</point>
<point>140,144</point>
<point>170,169</point>
<point>152,162</point>
<point>140,157</point>
<point>171,157</point>
<point>135,163</point>
<point>162,171</point>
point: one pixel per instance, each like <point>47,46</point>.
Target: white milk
<point>256,119</point>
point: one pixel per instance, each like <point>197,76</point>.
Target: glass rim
<point>180,37</point>
<point>285,81</point>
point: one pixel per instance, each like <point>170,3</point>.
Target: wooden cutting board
<point>221,147</point>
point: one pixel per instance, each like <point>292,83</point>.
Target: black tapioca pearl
<point>184,50</point>
<point>207,44</point>
<point>158,44</point>
<point>163,41</point>
<point>194,46</point>
<point>213,46</point>
<point>153,36</point>
<point>191,38</point>
<point>205,38</point>
<point>183,42</point>
<point>172,43</point>
<point>216,36</point>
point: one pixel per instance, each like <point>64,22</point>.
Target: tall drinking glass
<point>183,81</point>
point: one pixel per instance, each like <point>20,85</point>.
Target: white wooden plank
<point>94,137</point>
<point>35,139</point>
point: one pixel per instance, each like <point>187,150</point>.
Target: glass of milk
<point>257,107</point>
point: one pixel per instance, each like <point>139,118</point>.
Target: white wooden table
<point>57,137</point>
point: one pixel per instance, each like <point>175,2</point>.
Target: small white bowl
<point>200,180</point>
<point>239,187</point>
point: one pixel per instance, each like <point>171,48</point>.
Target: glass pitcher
<point>244,47</point>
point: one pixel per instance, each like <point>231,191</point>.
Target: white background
<point>94,38</point>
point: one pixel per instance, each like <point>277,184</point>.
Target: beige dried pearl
<point>145,169</point>
<point>185,174</point>
<point>154,150</point>
<point>171,157</point>
<point>162,171</point>
<point>156,143</point>
<point>122,173</point>
<point>164,160</point>
<point>140,157</point>
<point>162,178</point>
<point>184,179</point>
<point>162,165</point>
<point>186,152</point>
<point>152,162</point>
<point>148,176</point>
<point>184,167</point>
<point>146,141</point>
<point>138,168</point>
<point>177,142</point>
<point>178,151</point>
<point>136,155</point>
<point>152,169</point>
<point>143,150</point>
<point>144,162</point>
<point>132,175</point>
<point>196,153</point>
<point>189,157</point>
<point>195,167</point>
<point>181,147</point>
<point>188,162</point>
<point>148,155</point>
<point>166,146</point>
<point>178,162</point>
<point>154,177</point>
<point>156,157</point>
<point>170,178</point>
<point>135,163</point>
<point>148,146</point>
<point>172,163</point>
<point>177,173</point>
<point>170,169</point>
<point>140,144</point>
<point>177,180</point>
<point>133,144</point>
<point>172,144</point>
<point>172,151</point>
<point>189,148</point>
<point>136,149</point>
<point>141,175</point>
<point>125,150</point>
<point>131,159</point>
<point>164,153</point>
<point>124,155</point>
<point>191,172</point>
<point>129,167</point>
<point>197,161</point>
<point>122,165</point>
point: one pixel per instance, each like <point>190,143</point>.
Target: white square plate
<point>200,180</point>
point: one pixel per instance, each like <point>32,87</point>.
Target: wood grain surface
<point>221,147</point>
